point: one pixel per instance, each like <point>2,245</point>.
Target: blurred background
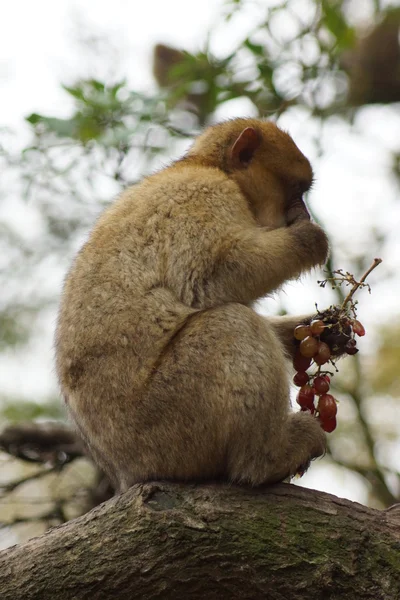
<point>93,96</point>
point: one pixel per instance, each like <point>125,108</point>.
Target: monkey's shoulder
<point>186,185</point>
<point>170,196</point>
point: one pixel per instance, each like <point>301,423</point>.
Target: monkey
<point>167,370</point>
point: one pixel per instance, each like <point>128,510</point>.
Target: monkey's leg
<point>266,442</point>
<point>215,405</point>
<point>219,404</point>
<point>301,439</point>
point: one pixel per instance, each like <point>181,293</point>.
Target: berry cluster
<point>312,350</point>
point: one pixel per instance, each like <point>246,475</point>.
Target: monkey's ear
<point>244,147</point>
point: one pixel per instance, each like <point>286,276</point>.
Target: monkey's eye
<point>296,192</point>
<point>300,188</point>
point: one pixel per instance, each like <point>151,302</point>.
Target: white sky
<point>38,50</point>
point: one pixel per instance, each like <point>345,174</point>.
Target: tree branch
<point>172,541</point>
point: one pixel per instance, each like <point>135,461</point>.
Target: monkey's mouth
<point>297,210</point>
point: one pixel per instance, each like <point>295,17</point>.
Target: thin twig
<point>357,284</point>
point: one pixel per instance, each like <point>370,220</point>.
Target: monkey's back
<point>146,266</point>
<point>142,274</point>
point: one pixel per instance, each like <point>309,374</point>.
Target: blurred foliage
<point>17,410</point>
<point>373,64</point>
<point>108,115</point>
<point>385,372</point>
<point>315,55</point>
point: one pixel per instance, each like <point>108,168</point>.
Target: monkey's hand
<point>309,240</point>
<point>266,258</point>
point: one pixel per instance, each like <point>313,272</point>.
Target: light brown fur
<point>167,370</point>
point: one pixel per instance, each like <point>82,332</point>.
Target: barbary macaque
<point>166,368</point>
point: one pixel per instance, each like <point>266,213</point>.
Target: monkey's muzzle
<point>297,211</point>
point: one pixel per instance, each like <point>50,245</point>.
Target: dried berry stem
<point>357,284</point>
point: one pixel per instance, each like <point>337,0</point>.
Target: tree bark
<point>172,541</point>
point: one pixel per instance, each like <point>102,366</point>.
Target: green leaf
<point>60,127</point>
<point>336,23</point>
<point>256,49</point>
<point>34,118</point>
<point>97,85</point>
<point>76,92</point>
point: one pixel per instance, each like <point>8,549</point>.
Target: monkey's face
<point>272,173</point>
<point>267,165</point>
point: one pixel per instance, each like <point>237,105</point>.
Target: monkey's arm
<point>256,261</point>
<point>284,326</point>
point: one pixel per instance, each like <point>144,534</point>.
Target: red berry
<point>323,354</point>
<point>301,332</point>
<point>310,409</point>
<point>351,347</point>
<point>358,328</point>
<point>327,407</point>
<point>301,378</point>
<point>351,351</point>
<point>328,425</point>
<point>309,346</point>
<point>321,385</point>
<point>327,378</point>
<point>300,362</point>
<point>307,390</point>
<point>305,397</point>
<point>317,327</point>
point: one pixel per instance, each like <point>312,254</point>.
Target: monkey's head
<point>265,162</point>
